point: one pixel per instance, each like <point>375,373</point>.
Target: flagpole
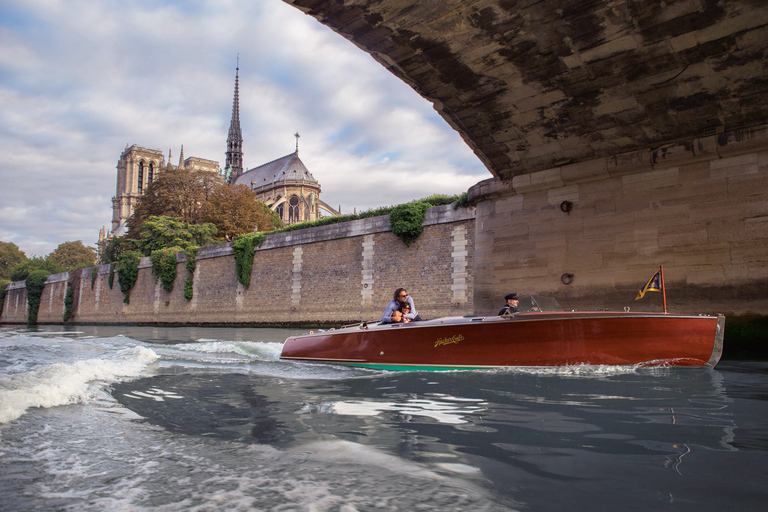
<point>663,289</point>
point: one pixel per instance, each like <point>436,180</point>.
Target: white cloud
<point>80,79</point>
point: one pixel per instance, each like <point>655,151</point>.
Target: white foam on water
<point>67,383</point>
<point>576,370</point>
<point>248,349</point>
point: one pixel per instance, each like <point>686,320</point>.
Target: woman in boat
<point>404,310</point>
<point>393,312</point>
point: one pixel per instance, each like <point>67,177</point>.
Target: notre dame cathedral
<point>285,184</point>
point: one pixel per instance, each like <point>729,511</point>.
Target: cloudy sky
<point>81,79</point>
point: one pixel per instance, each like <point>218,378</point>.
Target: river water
<point>206,419</point>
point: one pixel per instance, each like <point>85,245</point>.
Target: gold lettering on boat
<point>447,341</point>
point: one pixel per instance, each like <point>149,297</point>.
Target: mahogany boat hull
<point>525,339</point>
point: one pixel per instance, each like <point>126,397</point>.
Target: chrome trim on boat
<point>717,348</point>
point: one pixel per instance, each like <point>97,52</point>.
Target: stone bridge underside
<point>531,85</point>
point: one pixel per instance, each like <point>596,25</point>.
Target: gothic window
<point>151,173</point>
<point>279,211</point>
<point>141,177</point>
<point>293,209</point>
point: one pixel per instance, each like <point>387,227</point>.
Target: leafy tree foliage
<point>174,193</point>
<point>10,255</point>
<point>72,255</point>
<point>114,247</point>
<point>22,270</point>
<point>162,232</point>
<point>235,211</point>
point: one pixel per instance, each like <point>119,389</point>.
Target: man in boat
<point>393,313</point>
<point>511,307</point>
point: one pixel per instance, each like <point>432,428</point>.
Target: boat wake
<point>67,383</point>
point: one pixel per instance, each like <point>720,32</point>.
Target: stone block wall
<point>15,304</point>
<point>699,208</point>
<point>341,273</point>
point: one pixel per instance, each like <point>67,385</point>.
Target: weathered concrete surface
<point>593,233</point>
<point>532,83</point>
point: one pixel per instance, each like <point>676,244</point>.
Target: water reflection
<point>518,432</point>
<point>445,409</point>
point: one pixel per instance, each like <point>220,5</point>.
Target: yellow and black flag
<point>654,285</point>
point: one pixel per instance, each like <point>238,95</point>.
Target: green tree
<point>72,255</point>
<point>162,232</point>
<point>174,193</point>
<point>114,247</point>
<point>235,211</point>
<point>10,255</point>
<point>21,271</point>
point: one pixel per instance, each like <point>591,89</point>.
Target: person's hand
<point>397,316</point>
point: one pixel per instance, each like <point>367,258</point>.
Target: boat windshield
<point>537,303</point>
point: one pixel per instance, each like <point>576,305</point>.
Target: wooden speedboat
<point>540,335</point>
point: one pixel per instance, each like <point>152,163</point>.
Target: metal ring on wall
<point>566,278</point>
<point>566,206</point>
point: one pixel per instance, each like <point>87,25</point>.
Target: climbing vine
<point>128,272</point>
<point>35,283</point>
<point>191,254</point>
<point>244,245</point>
<point>94,275</point>
<point>164,266</point>
<point>69,300</point>
<point>111,280</point>
<point>3,292</point>
<point>407,220</point>
<point>188,290</point>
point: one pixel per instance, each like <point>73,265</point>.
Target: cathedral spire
<point>181,157</point>
<point>235,137</point>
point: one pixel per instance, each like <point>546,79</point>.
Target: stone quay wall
<point>340,273</point>
<point>593,233</point>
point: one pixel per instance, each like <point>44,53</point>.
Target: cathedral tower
<point>234,165</point>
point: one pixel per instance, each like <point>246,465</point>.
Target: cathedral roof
<point>287,168</point>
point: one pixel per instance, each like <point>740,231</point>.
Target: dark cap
<point>512,296</point>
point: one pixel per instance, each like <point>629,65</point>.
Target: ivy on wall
<point>111,280</point>
<point>191,254</point>
<point>407,220</point>
<point>244,245</point>
<point>35,283</point>
<point>188,290</point>
<point>94,275</point>
<point>128,272</point>
<point>164,266</point>
<point>3,292</point>
<point>69,300</point>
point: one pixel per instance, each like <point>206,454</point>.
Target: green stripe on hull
<point>414,367</point>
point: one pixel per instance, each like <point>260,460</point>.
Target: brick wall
<point>340,273</point>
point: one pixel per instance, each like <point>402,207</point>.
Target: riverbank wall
<point>336,274</point>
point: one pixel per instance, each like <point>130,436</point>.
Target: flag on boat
<point>654,285</point>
